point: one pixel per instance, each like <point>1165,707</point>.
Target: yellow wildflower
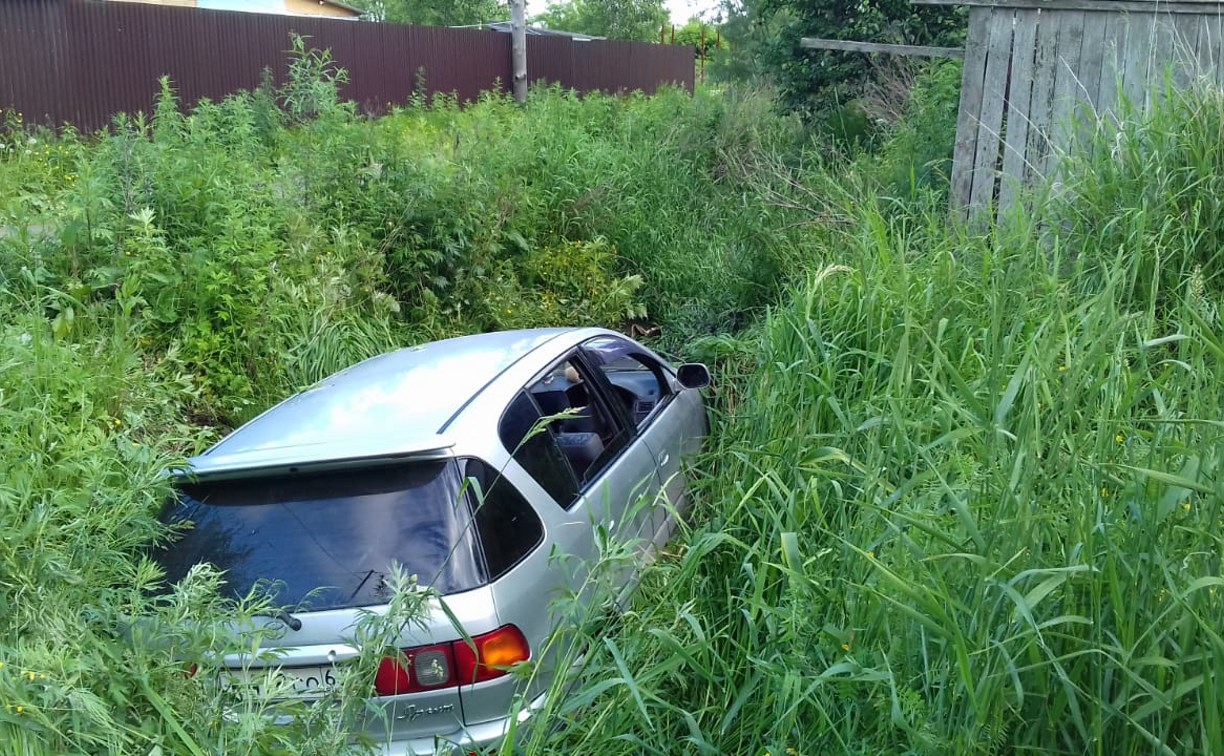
<point>1120,438</point>
<point>31,676</point>
<point>1062,368</point>
<point>1104,492</point>
<point>1186,506</point>
<point>20,709</point>
<point>871,554</point>
<point>118,422</point>
<point>845,647</point>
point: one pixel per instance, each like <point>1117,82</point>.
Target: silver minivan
<point>563,431</point>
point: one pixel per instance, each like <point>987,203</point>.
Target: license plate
<point>298,683</point>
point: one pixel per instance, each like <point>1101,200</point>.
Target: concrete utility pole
<point>518,48</point>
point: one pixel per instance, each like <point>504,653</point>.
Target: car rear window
<point>330,538</point>
<point>509,528</point>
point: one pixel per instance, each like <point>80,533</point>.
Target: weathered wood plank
<point>1041,75</point>
<point>1161,58</point>
<point>1183,54</point>
<point>1219,53</point>
<point>814,43</point>
<point>1113,46</point>
<point>1019,100</point>
<point>1140,35</point>
<point>970,109</point>
<point>994,88</point>
<point>1116,6</point>
<point>1066,88</point>
<point>1085,113</point>
<point>1044,66</point>
<point>1092,59</point>
<point>1207,48</point>
<point>1215,65</point>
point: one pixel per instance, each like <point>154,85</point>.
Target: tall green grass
<point>966,494</point>
<point>963,494</point>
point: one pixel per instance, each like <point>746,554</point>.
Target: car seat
<point>581,449</point>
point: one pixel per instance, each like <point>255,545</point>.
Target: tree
<point>615,19</point>
<point>766,34</point>
<point>434,12</point>
<point>691,34</point>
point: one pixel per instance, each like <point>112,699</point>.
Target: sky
<point>680,10</point>
<point>683,10</point>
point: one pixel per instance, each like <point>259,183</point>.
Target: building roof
<point>343,6</point>
<point>396,403</point>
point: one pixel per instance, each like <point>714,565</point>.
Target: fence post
<point>703,51</point>
<point>518,48</point>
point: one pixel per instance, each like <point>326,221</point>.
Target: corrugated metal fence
<point>71,61</point>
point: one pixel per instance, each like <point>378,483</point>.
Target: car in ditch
<point>468,462</point>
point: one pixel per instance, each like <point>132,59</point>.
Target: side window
<point>507,526</point>
<point>585,427</point>
<point>538,452</point>
<point>638,381</point>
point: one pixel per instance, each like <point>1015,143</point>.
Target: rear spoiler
<point>312,458</point>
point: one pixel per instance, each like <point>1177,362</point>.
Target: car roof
<point>396,403</point>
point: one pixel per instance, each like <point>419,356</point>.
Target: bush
<point>164,280</point>
<point>917,156</point>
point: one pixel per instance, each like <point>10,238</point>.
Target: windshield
<point>328,538</point>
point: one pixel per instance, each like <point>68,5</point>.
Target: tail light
<point>489,654</point>
<point>449,665</point>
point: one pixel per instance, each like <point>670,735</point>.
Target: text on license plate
<point>307,683</point>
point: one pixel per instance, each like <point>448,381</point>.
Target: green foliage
<point>638,20</point>
<point>272,238</point>
<point>566,284</point>
<point>434,12</point>
<point>966,492</point>
<point>765,35</point>
<point>917,156</point>
<point>1166,166</point>
<point>313,86</point>
<point>164,280</point>
<point>697,33</point>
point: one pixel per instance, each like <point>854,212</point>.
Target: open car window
<point>583,424</point>
<point>533,445</point>
<point>638,382</point>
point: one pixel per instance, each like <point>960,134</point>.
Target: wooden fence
<point>1038,73</point>
<point>80,62</point>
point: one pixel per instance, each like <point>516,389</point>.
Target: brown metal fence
<point>78,62</point>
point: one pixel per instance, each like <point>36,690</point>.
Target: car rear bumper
<point>473,737</point>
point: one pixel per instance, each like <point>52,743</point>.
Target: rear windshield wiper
<point>293,623</point>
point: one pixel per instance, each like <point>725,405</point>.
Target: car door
<point>663,418</point>
<point>585,457</point>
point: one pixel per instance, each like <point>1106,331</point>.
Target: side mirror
<point>693,375</point>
